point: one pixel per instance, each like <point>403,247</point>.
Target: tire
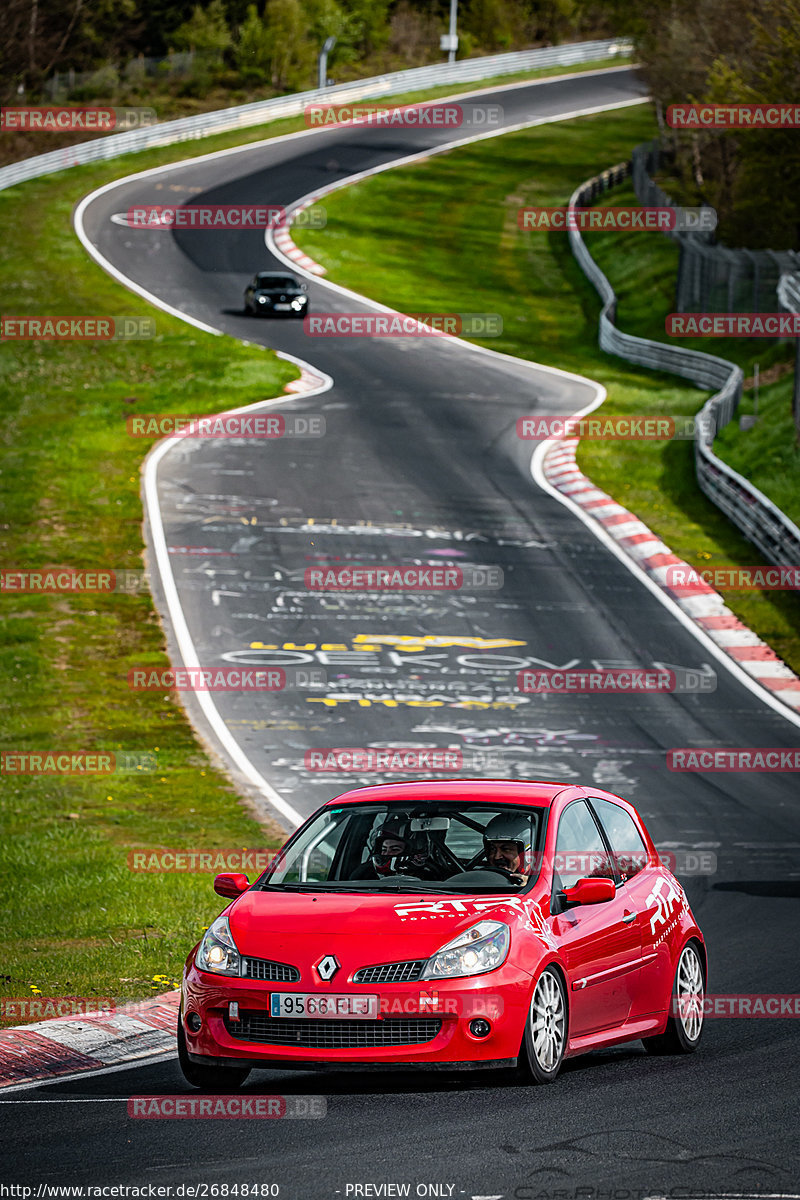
<point>685,1022</point>
<point>208,1079</point>
<point>545,1038</point>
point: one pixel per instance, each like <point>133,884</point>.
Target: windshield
<point>276,281</point>
<point>442,846</point>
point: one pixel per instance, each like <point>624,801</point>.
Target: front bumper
<point>438,1010</point>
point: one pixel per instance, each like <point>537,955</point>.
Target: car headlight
<point>217,952</point>
<point>481,948</point>
<point>298,304</point>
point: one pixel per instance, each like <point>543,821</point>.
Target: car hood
<point>270,291</point>
<point>298,928</point>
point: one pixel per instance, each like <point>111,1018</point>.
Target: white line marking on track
<point>80,1100</point>
<point>76,1076</point>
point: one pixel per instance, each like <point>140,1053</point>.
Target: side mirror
<point>304,287</point>
<point>590,891</point>
<point>231,886</point>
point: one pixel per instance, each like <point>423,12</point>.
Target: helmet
<point>510,827</point>
<point>394,829</point>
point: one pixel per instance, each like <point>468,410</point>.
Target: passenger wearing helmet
<point>394,849</point>
<point>507,844</point>
<point>386,845</point>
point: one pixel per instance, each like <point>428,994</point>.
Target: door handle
<point>628,917</point>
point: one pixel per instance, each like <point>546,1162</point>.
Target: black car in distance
<point>274,293</point>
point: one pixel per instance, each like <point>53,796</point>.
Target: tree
<point>253,47</point>
<point>206,33</point>
<point>291,54</point>
<point>727,52</point>
<point>764,196</point>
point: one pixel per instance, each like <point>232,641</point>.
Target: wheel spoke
<point>689,988</point>
<point>547,1021</point>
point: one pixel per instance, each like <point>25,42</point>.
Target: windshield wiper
<point>422,886</point>
<point>299,887</point>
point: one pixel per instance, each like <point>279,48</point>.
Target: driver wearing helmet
<point>507,845</point>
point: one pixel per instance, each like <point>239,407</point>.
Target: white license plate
<point>322,1004</point>
<point>283,306</point>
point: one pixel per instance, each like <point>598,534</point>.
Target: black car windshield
<point>281,282</point>
<point>436,846</point>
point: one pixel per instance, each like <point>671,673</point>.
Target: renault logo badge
<point>327,967</point>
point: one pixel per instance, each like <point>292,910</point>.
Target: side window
<point>580,852</point>
<point>630,852</point>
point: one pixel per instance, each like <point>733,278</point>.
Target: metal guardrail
<point>789,298</point>
<point>789,292</point>
<point>246,115</point>
<point>761,521</point>
<point>711,277</point>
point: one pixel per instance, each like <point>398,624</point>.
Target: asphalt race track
<point>420,463</point>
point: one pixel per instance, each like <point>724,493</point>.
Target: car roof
<point>500,791</point>
<point>274,275</point>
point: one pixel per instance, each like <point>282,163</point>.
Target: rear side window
<point>630,852</point>
<point>580,853</point>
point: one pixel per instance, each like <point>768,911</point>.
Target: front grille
<point>275,972</point>
<point>333,1034</point>
<point>399,972</point>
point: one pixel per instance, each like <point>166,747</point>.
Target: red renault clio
<point>457,924</point>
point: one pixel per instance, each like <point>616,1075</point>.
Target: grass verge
<point>469,198</point>
<point>78,921</point>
